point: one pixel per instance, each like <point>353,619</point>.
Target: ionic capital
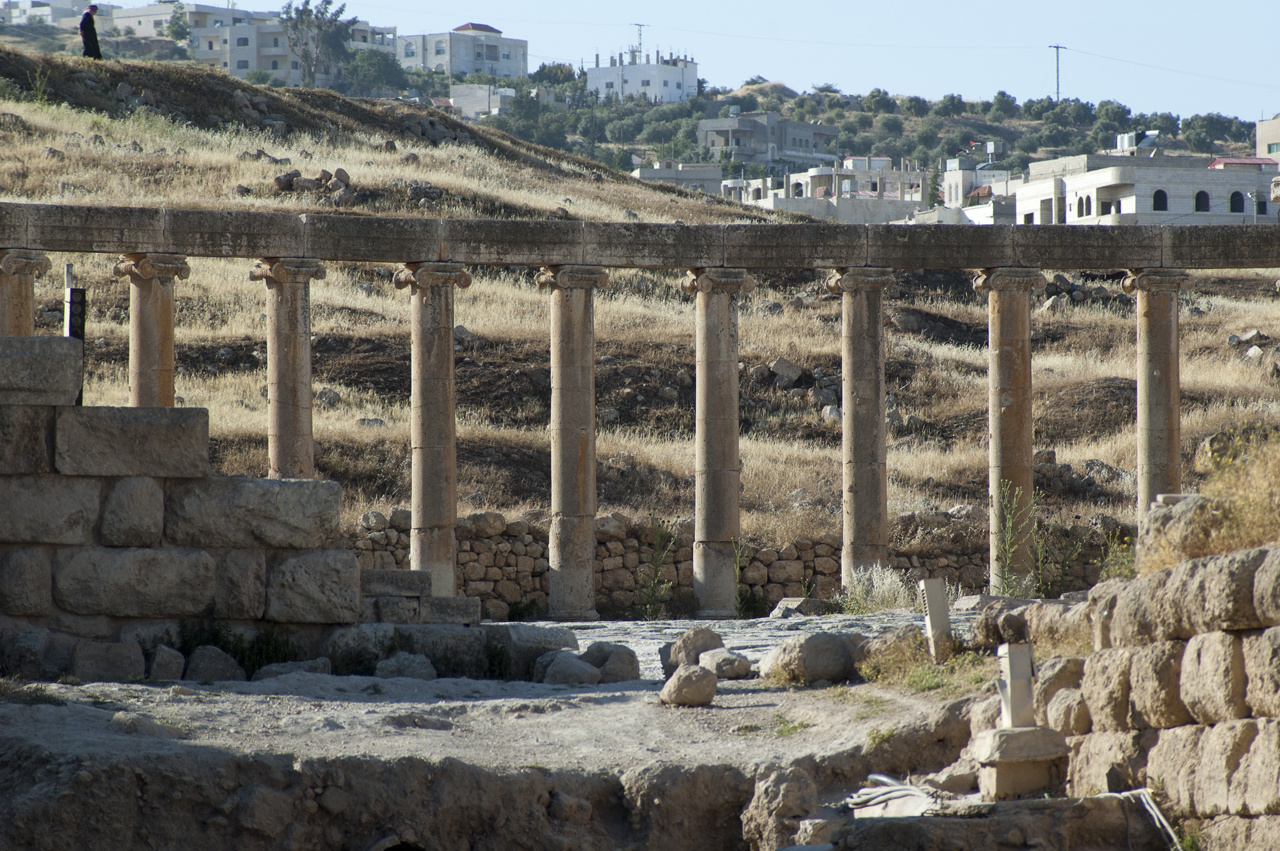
<point>1154,280</point>
<point>19,261</point>
<point>147,267</point>
<point>421,275</point>
<point>1008,279</point>
<point>717,280</point>
<point>858,280</point>
<point>572,277</point>
<point>289,270</point>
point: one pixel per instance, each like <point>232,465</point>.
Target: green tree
<point>1113,111</point>
<point>553,74</point>
<point>1005,102</point>
<point>935,188</point>
<point>949,106</point>
<point>878,100</point>
<point>890,125</point>
<point>258,77</point>
<point>374,69</point>
<point>915,106</point>
<point>317,35</point>
<point>178,28</point>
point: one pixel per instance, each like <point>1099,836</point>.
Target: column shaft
<point>1010,474</point>
<point>573,441</point>
<point>290,445</point>
<point>18,271</point>
<point>433,425</point>
<point>151,352</point>
<point>717,468</point>
<point>1159,427</point>
<point>866,489</point>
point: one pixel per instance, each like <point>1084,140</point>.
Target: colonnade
<point>572,422</point>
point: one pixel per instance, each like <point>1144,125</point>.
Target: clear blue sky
<point>1176,56</point>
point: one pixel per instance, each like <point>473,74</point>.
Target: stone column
<point>290,448</point>
<point>1010,474</point>
<point>1159,428</point>
<point>433,427</point>
<point>717,468</point>
<point>573,440</point>
<point>866,488</point>
<point>18,271</point>
<point>151,325</point>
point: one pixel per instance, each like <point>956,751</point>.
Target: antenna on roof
<point>640,37</point>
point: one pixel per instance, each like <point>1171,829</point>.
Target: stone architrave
<point>18,272</point>
<point>151,325</point>
<point>1010,473</point>
<point>573,440</point>
<point>866,489</point>
<point>717,468</point>
<point>290,448</point>
<point>1159,426</point>
<point>433,427</point>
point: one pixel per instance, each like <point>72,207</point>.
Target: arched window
<point>1088,205</point>
<point>797,190</point>
<point>1079,208</point>
<point>1202,201</point>
<point>1160,201</point>
<point>1237,202</point>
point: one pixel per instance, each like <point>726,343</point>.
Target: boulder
<point>1213,678</point>
<point>1053,675</point>
<point>783,799</point>
<point>622,665</point>
<point>166,664</point>
<point>689,685</point>
<point>810,658</point>
<point>726,664</point>
<point>521,645</point>
<point>566,668</point>
<point>209,664</point>
<point>486,524</point>
<point>689,647</point>
<point>1068,713</point>
<point>412,665</point>
<point>611,527</point>
<point>1105,687</point>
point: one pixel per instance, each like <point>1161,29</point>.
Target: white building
<point>670,80</point>
<point>56,13</point>
<point>470,48</point>
<point>864,190</point>
<point>473,100</point>
<point>697,177</point>
<point>1148,189</point>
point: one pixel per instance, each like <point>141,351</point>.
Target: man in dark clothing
<point>89,33</point>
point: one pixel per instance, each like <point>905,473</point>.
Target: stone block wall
<point>1180,693</point>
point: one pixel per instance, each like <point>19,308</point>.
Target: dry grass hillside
<point>72,135</point>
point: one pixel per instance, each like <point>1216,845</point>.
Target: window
<point>480,52</point>
<point>1273,147</point>
<point>1088,205</point>
<point>666,84</point>
<point>1079,208</point>
<point>506,54</point>
<point>242,41</point>
<point>242,64</point>
<point>211,45</point>
<point>1261,207</point>
<point>1028,218</point>
<point>275,42</point>
<point>1104,208</point>
<point>365,38</point>
<point>439,48</point>
<point>1117,206</point>
<point>644,83</point>
<point>224,41</point>
<point>409,51</point>
<point>1202,201</point>
<point>1237,202</point>
<point>275,65</point>
<point>294,65</point>
<point>490,52</point>
<point>678,85</point>
<point>1160,201</point>
<point>608,85</point>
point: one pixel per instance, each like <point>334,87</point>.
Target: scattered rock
<point>209,664</point>
<point>689,685</point>
<point>403,664</point>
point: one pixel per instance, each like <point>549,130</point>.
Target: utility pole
<point>640,38</point>
<point>1057,70</point>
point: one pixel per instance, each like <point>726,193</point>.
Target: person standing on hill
<point>89,33</point>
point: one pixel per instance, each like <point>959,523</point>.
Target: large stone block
<point>40,370</point>
<point>1106,688</point>
<point>1262,672</point>
<point>107,662</point>
<point>1068,713</point>
<point>133,513</point>
<point>456,610</point>
<point>1207,594</point>
<point>1213,677</point>
<point>1223,748</point>
<point>23,653</point>
<point>236,513</point>
<point>1266,589</point>
<point>1108,762</point>
<point>26,582</point>
<point>316,587</point>
<point>1136,619</point>
<point>1172,764</point>
<point>520,645</point>
<point>26,440</point>
<point>1155,683</point>
<point>133,582</point>
<point>240,584</point>
<point>48,510</point>
<point>395,583</point>
<point>1254,790</point>
<point>1053,675</point>
<point>168,443</point>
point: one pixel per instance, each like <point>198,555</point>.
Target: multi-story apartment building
<point>238,40</point>
<point>468,49</point>
<point>763,137</point>
<point>673,79</point>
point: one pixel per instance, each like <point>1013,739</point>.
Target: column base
<point>716,614</point>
